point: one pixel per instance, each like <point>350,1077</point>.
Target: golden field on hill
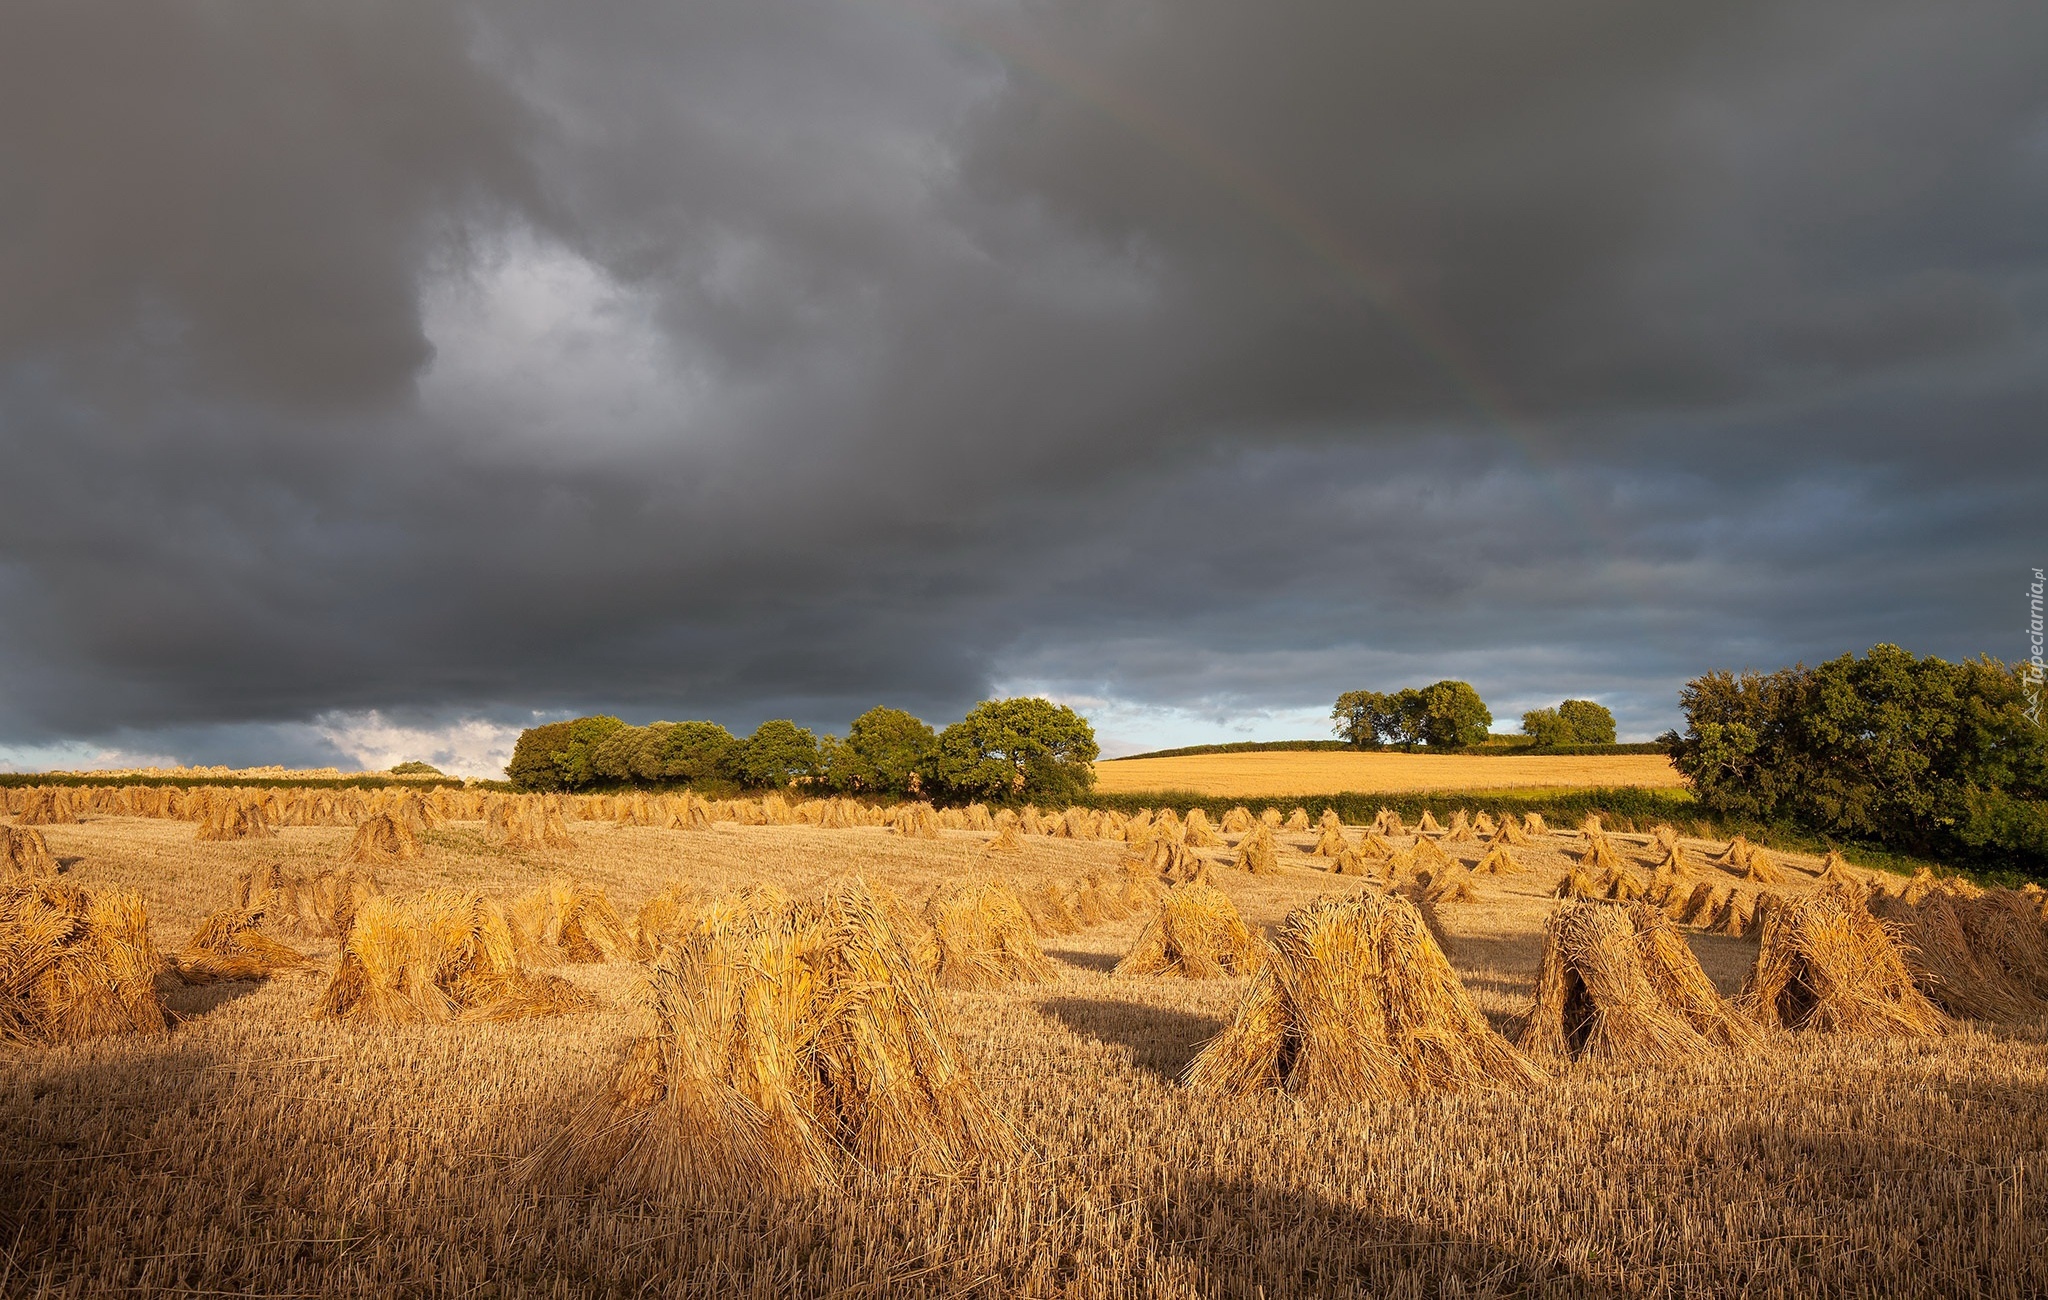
<point>1311,772</point>
<point>252,1150</point>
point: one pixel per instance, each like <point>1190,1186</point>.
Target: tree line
<point>1916,754</point>
<point>1450,714</point>
<point>1014,749</point>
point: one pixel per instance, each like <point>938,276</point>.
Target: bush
<point>1574,722</point>
<point>1590,723</point>
<point>1919,755</point>
<point>1546,727</point>
<point>558,755</point>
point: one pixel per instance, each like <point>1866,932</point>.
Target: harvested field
<point>1311,772</point>
<point>254,1149</point>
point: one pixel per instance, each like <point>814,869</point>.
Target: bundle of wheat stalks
<point>440,955</point>
<point>321,907</point>
<point>1356,1000</point>
<point>1196,934</point>
<point>1618,983</point>
<point>1173,861</point>
<point>228,946</point>
<point>1451,883</point>
<point>75,964</point>
<point>791,1044</point>
<point>24,852</point>
<point>44,805</point>
<point>1827,964</point>
<point>1257,852</point>
<point>526,822</point>
<point>231,819</point>
<point>1005,840</point>
<point>567,921</point>
<point>382,839</point>
<point>982,938</point>
<point>1983,957</point>
<point>916,820</point>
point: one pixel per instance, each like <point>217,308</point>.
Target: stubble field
<point>1312,772</point>
<point>252,1150</point>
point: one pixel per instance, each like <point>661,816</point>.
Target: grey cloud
<point>239,198</point>
<point>1195,356</point>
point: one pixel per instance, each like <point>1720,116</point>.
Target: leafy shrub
<point>1916,754</point>
<point>1574,722</point>
<point>558,755</point>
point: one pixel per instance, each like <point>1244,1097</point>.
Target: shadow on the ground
<point>1160,1039</point>
<point>1095,961</point>
<point>194,1001</point>
<point>1242,1239</point>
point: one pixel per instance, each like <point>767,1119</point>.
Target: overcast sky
<point>378,377</point>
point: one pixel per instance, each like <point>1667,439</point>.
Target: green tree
<point>1918,754</point>
<point>557,755</point>
<point>1590,723</point>
<point>1365,718</point>
<point>612,758</point>
<point>886,751</point>
<point>776,755</point>
<point>1547,728</point>
<point>416,768</point>
<point>1025,748</point>
<point>1444,715</point>
<point>694,752</point>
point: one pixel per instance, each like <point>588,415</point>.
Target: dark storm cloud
<point>793,355</point>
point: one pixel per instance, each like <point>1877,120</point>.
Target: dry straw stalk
<point>75,964</point>
<point>1618,983</point>
<point>1356,1001</point>
<point>983,938</point>
<point>1826,964</point>
<point>1197,934</point>
<point>791,1045</point>
<point>440,955</point>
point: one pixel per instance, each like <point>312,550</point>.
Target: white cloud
<point>469,747</point>
<point>539,346</point>
<point>77,756</point>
